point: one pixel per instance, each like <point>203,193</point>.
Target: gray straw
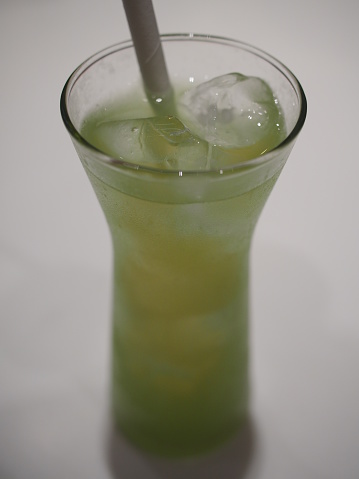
<point>145,35</point>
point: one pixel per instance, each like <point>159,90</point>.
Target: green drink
<point>181,198</point>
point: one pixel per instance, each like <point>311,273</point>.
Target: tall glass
<point>181,241</point>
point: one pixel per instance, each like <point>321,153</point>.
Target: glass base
<point>236,449</point>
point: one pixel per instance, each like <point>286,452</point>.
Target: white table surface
<point>55,256</point>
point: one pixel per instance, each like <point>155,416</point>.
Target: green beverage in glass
<point>182,193</point>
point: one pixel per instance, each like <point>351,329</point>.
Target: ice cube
<point>158,142</point>
<point>168,140</point>
<point>233,111</point>
<point>120,139</point>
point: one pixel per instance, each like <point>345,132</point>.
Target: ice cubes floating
<point>225,121</point>
<point>233,111</point>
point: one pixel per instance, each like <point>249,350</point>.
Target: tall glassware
<point>181,241</point>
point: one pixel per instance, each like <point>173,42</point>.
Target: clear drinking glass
<point>181,241</point>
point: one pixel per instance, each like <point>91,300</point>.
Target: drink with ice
<point>180,351</point>
<point>182,192</point>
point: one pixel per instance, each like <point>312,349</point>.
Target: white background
<point>55,256</point>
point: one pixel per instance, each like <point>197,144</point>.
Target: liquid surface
<point>219,123</point>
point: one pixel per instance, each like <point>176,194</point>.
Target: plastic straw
<point>145,35</point>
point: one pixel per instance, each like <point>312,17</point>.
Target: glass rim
<point>109,160</point>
